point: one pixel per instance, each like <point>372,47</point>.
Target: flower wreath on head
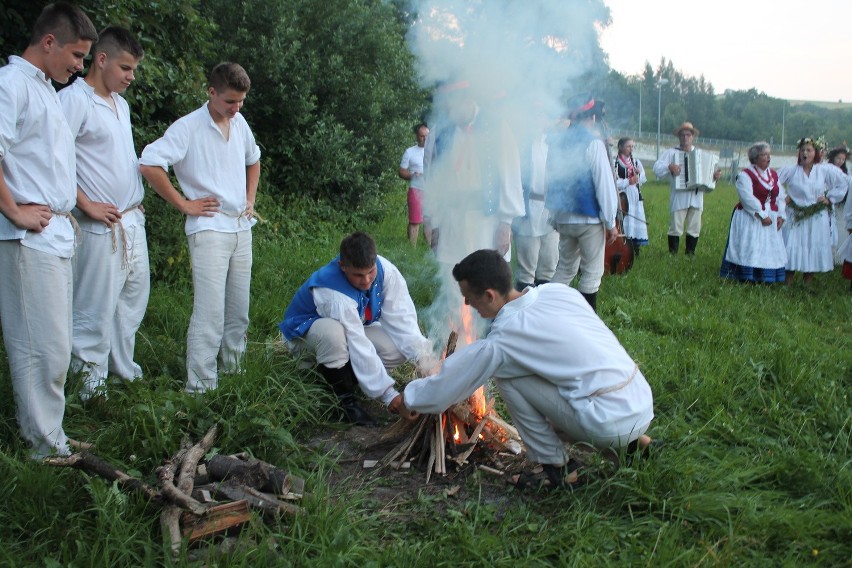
<point>818,143</point>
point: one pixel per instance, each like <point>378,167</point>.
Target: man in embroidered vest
<point>559,370</point>
<point>685,206</point>
<point>581,197</point>
<point>37,192</point>
<point>355,319</point>
<point>111,271</point>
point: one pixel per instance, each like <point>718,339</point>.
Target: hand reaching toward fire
<point>397,406</point>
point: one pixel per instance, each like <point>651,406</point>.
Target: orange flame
<point>456,435</point>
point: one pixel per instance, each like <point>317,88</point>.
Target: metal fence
<point>668,140</point>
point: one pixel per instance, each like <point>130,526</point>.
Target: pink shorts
<point>415,206</point>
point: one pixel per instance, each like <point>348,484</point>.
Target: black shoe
<point>355,413</point>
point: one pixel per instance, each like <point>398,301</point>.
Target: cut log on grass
<point>255,473</point>
<point>90,463</point>
<point>265,503</point>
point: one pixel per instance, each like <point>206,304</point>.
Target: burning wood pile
<point>203,499</point>
<point>451,438</point>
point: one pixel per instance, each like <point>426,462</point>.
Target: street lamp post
<point>640,110</point>
<point>660,84</point>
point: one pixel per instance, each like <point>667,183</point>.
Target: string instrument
<point>618,256</point>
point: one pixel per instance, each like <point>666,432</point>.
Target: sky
<point>786,49</point>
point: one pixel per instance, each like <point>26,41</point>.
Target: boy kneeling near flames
<point>558,367</point>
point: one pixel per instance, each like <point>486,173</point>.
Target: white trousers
<point>221,280</point>
<point>110,297</point>
<point>541,414</point>
<point>35,313</point>
<point>325,344</point>
<point>537,257</point>
<point>690,217</point>
<point>581,248</point>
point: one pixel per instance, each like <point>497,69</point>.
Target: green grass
<point>751,387</point>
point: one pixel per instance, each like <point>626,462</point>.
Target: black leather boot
<point>520,286</point>
<point>691,243</point>
<point>540,282</point>
<point>342,382</point>
<point>674,244</point>
<point>592,299</point>
<point>355,413</point>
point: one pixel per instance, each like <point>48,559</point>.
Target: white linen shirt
<point>208,165</point>
<point>678,199</point>
<point>107,166</point>
<point>412,160</point>
<point>398,319</point>
<point>825,180</point>
<point>605,192</point>
<point>37,154</point>
<point>549,332</point>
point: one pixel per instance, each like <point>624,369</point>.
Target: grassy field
<point>751,387</point>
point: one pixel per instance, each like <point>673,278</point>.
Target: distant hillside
<point>839,105</point>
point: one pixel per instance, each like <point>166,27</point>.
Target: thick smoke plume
<point>516,62</point>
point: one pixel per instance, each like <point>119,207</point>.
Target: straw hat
<point>686,126</point>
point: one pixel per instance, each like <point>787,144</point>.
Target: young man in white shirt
<point>355,319</point>
<point>37,192</point>
<point>560,371</point>
<point>111,272</point>
<point>217,163</point>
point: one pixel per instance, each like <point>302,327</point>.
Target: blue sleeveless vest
<point>302,311</point>
<point>570,187</point>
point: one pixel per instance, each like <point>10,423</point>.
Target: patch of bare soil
<point>483,476</point>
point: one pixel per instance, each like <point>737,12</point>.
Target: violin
<point>618,256</point>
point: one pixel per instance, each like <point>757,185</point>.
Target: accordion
<point>696,170</point>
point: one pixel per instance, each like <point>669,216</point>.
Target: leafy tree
<point>333,91</point>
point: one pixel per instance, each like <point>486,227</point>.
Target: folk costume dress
<point>845,250</point>
<point>811,227</point>
<point>635,223</point>
<point>756,252</point>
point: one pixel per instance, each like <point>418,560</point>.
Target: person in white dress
<point>845,250</point>
<point>560,370</point>
<point>630,176</point>
<point>838,157</point>
<point>755,251</point>
<point>813,188</point>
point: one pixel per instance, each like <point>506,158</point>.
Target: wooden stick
<point>90,463</point>
<point>187,462</point>
<point>431,462</point>
<point>451,344</point>
<point>475,437</point>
